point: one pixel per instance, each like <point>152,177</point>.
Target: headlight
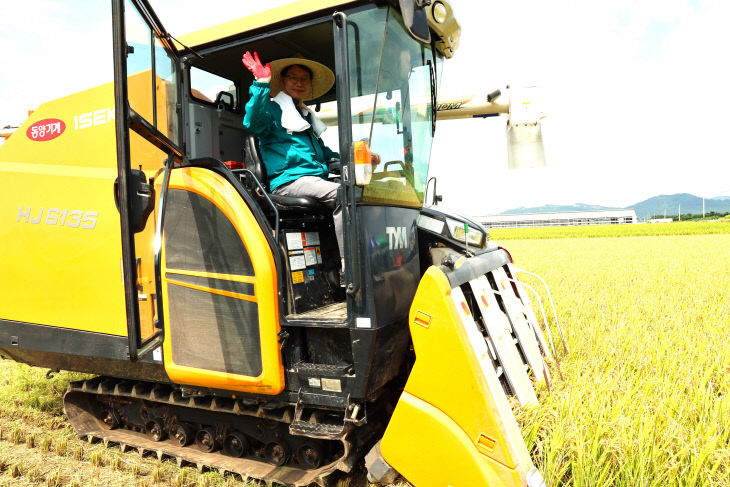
<point>472,236</point>
<point>439,12</point>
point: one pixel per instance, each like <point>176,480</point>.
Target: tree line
<point>709,215</point>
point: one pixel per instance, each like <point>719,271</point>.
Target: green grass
<point>646,395</point>
<point>591,231</point>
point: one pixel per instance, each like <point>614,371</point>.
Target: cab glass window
<point>166,93</point>
<point>391,104</point>
<point>151,76</point>
<point>211,88</point>
<point>139,63</point>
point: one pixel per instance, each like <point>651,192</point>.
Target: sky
<point>634,91</point>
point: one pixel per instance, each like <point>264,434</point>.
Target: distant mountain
<point>684,202</point>
<point>657,205</point>
<point>555,209</point>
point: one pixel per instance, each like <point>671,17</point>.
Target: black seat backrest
<point>254,163</point>
<point>252,160</point>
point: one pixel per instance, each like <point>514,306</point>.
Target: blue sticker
<point>311,272</point>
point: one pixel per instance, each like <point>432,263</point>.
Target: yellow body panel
<point>222,194</point>
<point>58,269</point>
<point>60,234</point>
<point>447,456</point>
<point>259,20</point>
<point>452,425</point>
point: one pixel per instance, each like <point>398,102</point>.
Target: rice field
<point>645,399</point>
<point>646,395</point>
<point>592,231</point>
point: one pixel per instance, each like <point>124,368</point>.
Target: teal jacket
<point>287,156</point>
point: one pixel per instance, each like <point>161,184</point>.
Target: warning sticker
<point>294,240</point>
<point>297,262</point>
<point>310,256</point>
<point>319,255</point>
<point>297,277</point>
<point>332,385</point>
<point>311,239</point>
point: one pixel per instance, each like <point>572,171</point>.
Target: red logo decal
<point>46,129</point>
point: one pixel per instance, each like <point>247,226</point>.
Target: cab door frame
<point>126,118</point>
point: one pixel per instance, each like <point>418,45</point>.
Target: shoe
<point>342,279</point>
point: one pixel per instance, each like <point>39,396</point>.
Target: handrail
<point>263,192</point>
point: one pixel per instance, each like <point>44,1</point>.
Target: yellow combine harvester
<point>210,309</point>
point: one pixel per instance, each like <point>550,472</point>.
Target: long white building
<point>568,218</point>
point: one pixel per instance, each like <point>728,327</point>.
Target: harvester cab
<point>228,327</point>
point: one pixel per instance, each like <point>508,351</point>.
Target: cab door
<point>199,271</point>
<point>146,77</point>
<point>219,287</point>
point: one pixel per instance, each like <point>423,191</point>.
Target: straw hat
<point>322,77</point>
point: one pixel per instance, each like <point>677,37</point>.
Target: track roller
<point>155,430</point>
<point>235,444</point>
<point>109,418</point>
<point>277,453</point>
<point>310,455</point>
<point>182,433</point>
<point>205,439</point>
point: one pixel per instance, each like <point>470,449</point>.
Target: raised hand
<point>374,159</point>
<point>253,64</point>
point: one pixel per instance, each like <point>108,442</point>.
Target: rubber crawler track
<point>79,406</point>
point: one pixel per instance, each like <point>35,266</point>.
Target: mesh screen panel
<point>209,331</point>
<point>199,237</point>
<point>214,332</point>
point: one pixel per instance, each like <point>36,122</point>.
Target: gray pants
<point>323,191</point>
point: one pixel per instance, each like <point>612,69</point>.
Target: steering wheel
<point>334,166</point>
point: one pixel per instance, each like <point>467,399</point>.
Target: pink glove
<point>253,64</point>
<point>374,159</point>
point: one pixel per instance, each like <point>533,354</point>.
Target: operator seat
<point>253,162</point>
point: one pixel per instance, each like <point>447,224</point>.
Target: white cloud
<point>635,90</point>
<point>51,49</point>
<point>67,47</point>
